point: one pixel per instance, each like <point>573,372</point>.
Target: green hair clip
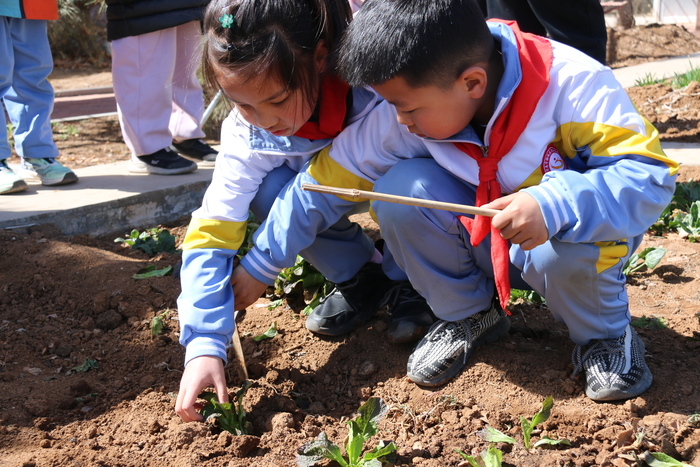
<point>227,21</point>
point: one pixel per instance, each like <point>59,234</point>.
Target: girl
<point>270,58</point>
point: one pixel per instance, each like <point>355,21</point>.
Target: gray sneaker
<point>444,351</point>
<point>615,368</point>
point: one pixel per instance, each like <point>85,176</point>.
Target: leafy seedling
<point>229,416</point>
<point>269,334</point>
<point>490,457</point>
<point>157,323</point>
<point>652,322</point>
<point>302,282</point>
<point>150,241</point>
<point>689,224</point>
<point>360,431</point>
<point>649,258</point>
<point>529,296</point>
<point>659,459</point>
<point>151,271</point>
<point>86,366</point>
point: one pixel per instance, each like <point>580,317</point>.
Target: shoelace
<point>611,346</point>
<point>401,291</point>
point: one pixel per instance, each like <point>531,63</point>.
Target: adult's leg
<point>29,98</point>
<point>142,71</point>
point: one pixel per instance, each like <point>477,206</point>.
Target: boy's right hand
<point>200,373</point>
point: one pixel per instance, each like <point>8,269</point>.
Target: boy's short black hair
<point>426,42</point>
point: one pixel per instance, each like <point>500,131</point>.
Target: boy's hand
<point>200,373</point>
<point>246,289</point>
<point>520,220</point>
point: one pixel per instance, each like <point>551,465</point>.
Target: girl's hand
<point>200,373</point>
<point>246,289</point>
<point>520,221</point>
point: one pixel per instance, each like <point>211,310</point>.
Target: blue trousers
<point>339,252</point>
<point>25,64</point>
<point>434,250</point>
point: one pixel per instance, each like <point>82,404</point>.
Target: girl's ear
<point>321,56</point>
<point>473,81</point>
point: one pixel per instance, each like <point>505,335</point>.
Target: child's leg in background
<point>593,303</point>
<point>339,252</point>
<point>188,100</point>
<point>7,63</point>
<point>29,99</point>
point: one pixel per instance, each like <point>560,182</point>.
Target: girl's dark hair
<point>272,36</point>
<point>423,41</point>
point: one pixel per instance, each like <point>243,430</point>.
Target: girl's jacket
<point>218,227</point>
<point>594,165</point>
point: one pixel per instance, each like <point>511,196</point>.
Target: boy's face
<point>430,110</point>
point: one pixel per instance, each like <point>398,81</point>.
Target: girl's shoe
<point>10,182</point>
<point>49,170</point>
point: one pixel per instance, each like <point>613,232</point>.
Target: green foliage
<point>248,242</point>
<point>528,296</point>
<point>490,457</point>
<point>689,223</point>
<point>360,430</point>
<point>541,416</point>
<point>229,416</point>
<point>302,282</point>
<point>647,80</point>
<point>269,334</point>
<point>681,80</point>
<point>659,459</point>
<point>649,258</point>
<point>492,435</point>
<point>80,33</point>
<point>157,323</point>
<point>151,271</point>
<point>685,195</point>
<point>86,366</point>
<point>150,241</point>
<point>652,322</point>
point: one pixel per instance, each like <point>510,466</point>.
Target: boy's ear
<point>321,56</point>
<point>474,80</point>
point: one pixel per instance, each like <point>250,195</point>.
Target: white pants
<point>159,98</point>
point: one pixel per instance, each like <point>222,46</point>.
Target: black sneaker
<point>195,149</point>
<point>615,368</point>
<point>444,351</point>
<point>411,316</point>
<point>351,304</point>
<point>163,162</point>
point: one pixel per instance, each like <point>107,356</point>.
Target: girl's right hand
<point>200,373</point>
<point>246,289</point>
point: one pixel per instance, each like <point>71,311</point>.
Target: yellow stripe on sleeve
<point>610,254</point>
<point>612,141</point>
<point>208,233</point>
<point>328,172</point>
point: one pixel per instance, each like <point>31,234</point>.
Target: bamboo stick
<point>354,194</point>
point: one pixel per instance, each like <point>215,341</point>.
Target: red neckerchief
<point>535,54</point>
<point>332,110</point>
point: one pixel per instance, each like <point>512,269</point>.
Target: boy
<point>503,112</point>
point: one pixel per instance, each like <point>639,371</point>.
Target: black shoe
<point>411,316</point>
<point>163,162</point>
<point>195,149</point>
<point>351,304</point>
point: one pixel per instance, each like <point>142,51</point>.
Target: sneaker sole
<point>605,395</point>
<point>201,162</point>
<point>19,185</point>
<point>67,178</point>
<point>142,168</point>
<point>498,330</point>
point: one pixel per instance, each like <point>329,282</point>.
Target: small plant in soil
<point>269,334</point>
<point>651,322</point>
<point>301,282</point>
<point>689,224</point>
<point>152,271</point>
<point>490,457</point>
<point>150,241</point>
<point>229,416</point>
<point>360,430</point>
<point>158,322</point>
<point>648,258</point>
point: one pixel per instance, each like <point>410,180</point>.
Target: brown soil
<point>67,300</point>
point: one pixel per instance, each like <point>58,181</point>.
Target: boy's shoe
<point>444,351</point>
<point>351,304</point>
<point>615,368</point>
<point>163,162</point>
<point>10,182</point>
<point>411,316</point>
<point>195,149</point>
<point>50,171</point>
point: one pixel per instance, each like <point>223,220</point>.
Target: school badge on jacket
<point>552,160</point>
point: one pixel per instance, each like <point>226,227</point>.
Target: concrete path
<point>109,200</point>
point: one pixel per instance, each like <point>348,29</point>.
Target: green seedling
<point>492,435</point>
<point>648,258</point>
<point>647,80</point>
<point>150,241</point>
<point>248,241</point>
<point>361,429</point>
<point>302,281</point>
<point>694,420</point>
<point>689,224</point>
<point>151,271</point>
<point>652,322</point>
<point>86,366</point>
<point>490,457</point>
<point>269,334</point>
<point>157,323</point>
<point>659,459</point>
<point>685,195</point>
<point>229,416</point>
<point>681,80</point>
<point>529,296</point>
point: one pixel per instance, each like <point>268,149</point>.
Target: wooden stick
<point>238,350</point>
<point>354,194</point>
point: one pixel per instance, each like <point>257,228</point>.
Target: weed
<point>158,322</point>
<point>652,322</point>
<point>659,459</point>
<point>360,430</point>
<point>229,416</point>
<point>647,80</point>
<point>528,296</point>
<point>151,271</point>
<point>86,366</point>
<point>681,80</point>
<point>269,334</point>
<point>150,241</point>
<point>649,258</point>
<point>490,457</point>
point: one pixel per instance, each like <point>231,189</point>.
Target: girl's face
<point>265,102</point>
